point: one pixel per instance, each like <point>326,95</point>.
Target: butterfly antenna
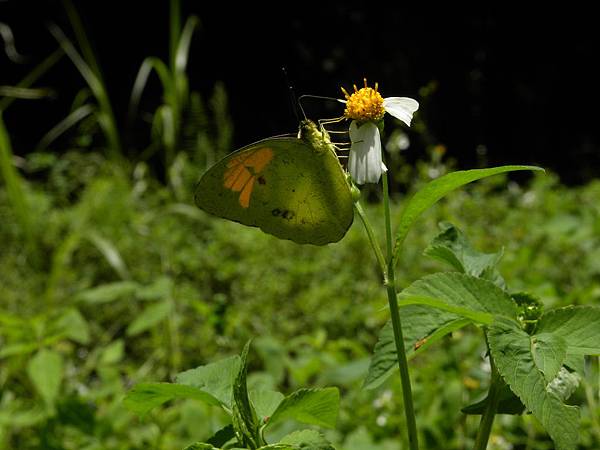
<point>317,97</point>
<point>293,99</point>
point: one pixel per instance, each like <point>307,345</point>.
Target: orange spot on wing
<point>243,170</point>
<point>246,192</point>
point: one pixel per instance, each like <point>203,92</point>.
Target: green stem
<point>409,409</point>
<point>374,244</point>
<point>487,420</point>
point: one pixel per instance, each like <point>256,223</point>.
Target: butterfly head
<point>316,136</point>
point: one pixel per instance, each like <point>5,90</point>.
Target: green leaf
<point>579,326</point>
<point>108,292</point>
<point>265,402</point>
<point>74,326</point>
<point>565,384</point>
<point>549,352</point>
<point>307,440</point>
<point>221,437</point>
<point>200,446</point>
<point>434,191</point>
<point>510,347</point>
<point>19,348</point>
<point>433,307</point>
<point>310,406</point>
<point>214,378</point>
<point>245,422</point>
<point>151,316</point>
<point>160,289</point>
<point>146,396</point>
<point>467,313</point>
<point>45,370</point>
<point>452,247</point>
<point>576,363</point>
<point>421,326</point>
<point>110,253</point>
<point>509,403</point>
<point>461,294</point>
<point>113,352</point>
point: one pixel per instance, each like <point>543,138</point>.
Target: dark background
<point>524,85</point>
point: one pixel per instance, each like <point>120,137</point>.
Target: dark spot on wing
<point>283,213</point>
<point>261,180</point>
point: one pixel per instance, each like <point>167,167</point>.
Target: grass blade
<point>149,64</point>
<point>91,75</point>
<point>61,127</point>
<point>34,75</point>
<point>183,49</point>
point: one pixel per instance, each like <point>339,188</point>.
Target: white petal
<point>401,108</point>
<point>364,162</point>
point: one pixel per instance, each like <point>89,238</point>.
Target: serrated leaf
<point>437,189</point>
<point>108,292</point>
<point>510,347</point>
<point>420,324</point>
<point>461,294</point>
<point>435,303</point>
<point>245,422</point>
<point>146,396</point>
<point>265,402</point>
<point>452,247</point>
<point>150,316</point>
<point>215,378</point>
<point>45,370</point>
<point>311,406</point>
<point>549,352</point>
<point>449,296</point>
<point>579,326</point>
<point>306,440</point>
<point>564,384</point>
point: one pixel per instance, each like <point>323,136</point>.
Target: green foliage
<point>511,348</point>
<point>135,284</point>
<point>529,348</point>
<point>437,189</point>
<point>224,383</point>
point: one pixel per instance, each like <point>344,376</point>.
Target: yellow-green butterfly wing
<point>292,188</point>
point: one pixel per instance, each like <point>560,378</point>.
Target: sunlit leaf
<point>150,317</point>
<point>311,406</point>
<point>45,370</point>
<point>215,378</point>
<point>510,347</point>
<point>579,326</point>
<point>437,189</point>
<point>146,396</point>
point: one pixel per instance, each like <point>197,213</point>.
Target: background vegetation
<point>110,276</point>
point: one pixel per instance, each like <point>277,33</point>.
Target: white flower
<point>366,108</point>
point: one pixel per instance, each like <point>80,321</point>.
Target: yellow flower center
<point>364,104</point>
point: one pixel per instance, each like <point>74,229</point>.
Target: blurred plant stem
<point>389,280</point>
<point>15,184</point>
<point>15,188</point>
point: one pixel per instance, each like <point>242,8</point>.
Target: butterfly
<point>291,187</point>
